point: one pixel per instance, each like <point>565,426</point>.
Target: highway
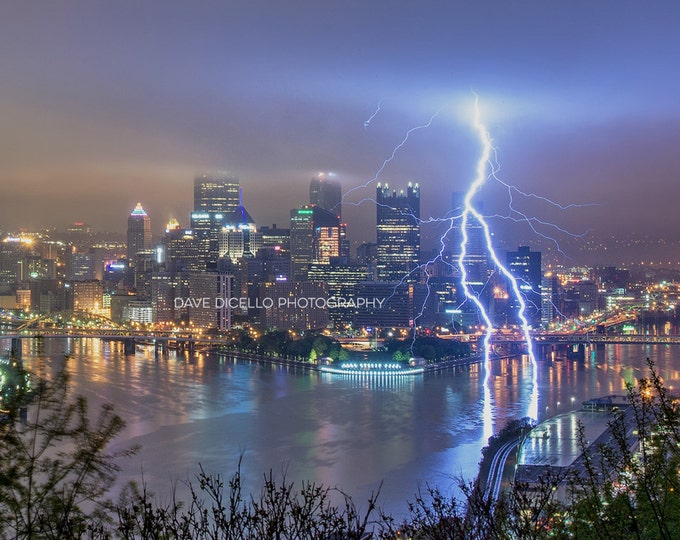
<point>495,476</point>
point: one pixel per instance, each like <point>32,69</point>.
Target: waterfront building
<point>386,304</point>
<point>294,305</point>
<point>440,302</point>
<point>138,311</point>
<point>207,303</point>
<point>119,299</point>
<point>398,233</point>
<point>88,296</point>
<point>23,298</point>
<point>144,266</point>
<point>163,288</point>
<point>340,278</point>
<point>276,265</point>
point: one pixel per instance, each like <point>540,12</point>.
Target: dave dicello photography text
<point>331,302</point>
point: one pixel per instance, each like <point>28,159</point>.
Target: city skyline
<point>127,103</point>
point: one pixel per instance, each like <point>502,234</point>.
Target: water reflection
<point>353,432</point>
<point>487,411</point>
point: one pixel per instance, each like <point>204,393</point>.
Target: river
<point>353,433</point>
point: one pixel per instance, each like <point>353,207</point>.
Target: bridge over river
<point>183,341</point>
<point>544,344</point>
<point>587,338</point>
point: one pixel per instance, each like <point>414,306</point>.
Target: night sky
<point>104,104</point>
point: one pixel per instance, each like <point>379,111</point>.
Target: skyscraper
<point>525,266</point>
<point>138,232</point>
<point>314,238</point>
<point>216,196</point>
<point>216,192</point>
<point>326,193</point>
<point>398,235</point>
<point>239,237</point>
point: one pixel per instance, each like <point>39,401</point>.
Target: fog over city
<point>108,104</point>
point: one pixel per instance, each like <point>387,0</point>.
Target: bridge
<point>188,339</point>
<point>556,346</point>
<point>190,335</point>
<point>183,340</point>
<point>587,338</point>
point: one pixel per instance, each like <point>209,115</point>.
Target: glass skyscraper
<point>398,235</point>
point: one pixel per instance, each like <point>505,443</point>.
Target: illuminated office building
<point>206,227</point>
<point>216,192</point>
<point>315,237</point>
<point>88,296</point>
<point>181,252</point>
<point>216,197</point>
<point>341,279</point>
<point>239,236</point>
<point>398,235</point>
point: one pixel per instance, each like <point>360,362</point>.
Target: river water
<point>353,433</point>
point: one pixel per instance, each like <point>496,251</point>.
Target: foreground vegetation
<point>55,473</point>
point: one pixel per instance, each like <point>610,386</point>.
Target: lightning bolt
<point>485,170</point>
<point>370,118</point>
<point>387,161</point>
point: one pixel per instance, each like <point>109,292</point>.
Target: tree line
<point>56,472</point>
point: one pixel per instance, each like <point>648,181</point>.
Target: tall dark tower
<point>525,266</point>
<point>398,235</point>
<point>216,192</point>
<point>326,193</point>
<point>138,232</point>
